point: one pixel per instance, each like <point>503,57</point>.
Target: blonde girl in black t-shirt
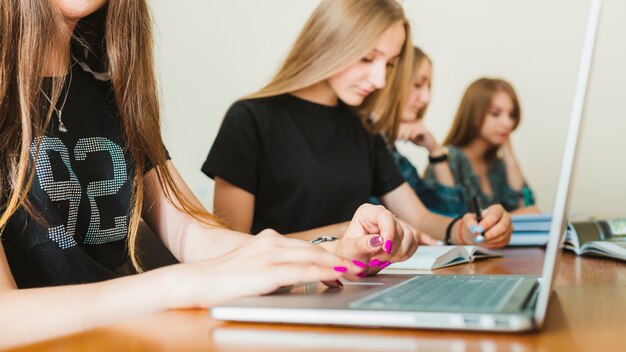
<point>293,147</point>
<point>82,161</point>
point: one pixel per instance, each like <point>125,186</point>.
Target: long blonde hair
<point>473,110</point>
<point>419,58</point>
<point>392,122</point>
<point>338,34</point>
<point>120,39</point>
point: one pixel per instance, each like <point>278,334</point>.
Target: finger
<point>365,219</point>
<point>427,240</point>
<point>501,240</point>
<point>412,249</point>
<point>398,241</point>
<point>409,252</point>
<point>409,134</point>
<point>503,236</point>
<point>496,232</point>
<point>377,219</point>
<point>312,255</point>
<point>501,229</point>
<point>391,247</point>
<point>408,244</point>
<point>418,138</point>
<point>496,244</point>
<point>289,274</point>
<point>490,218</point>
<point>373,270</point>
<point>469,221</point>
<point>272,238</point>
<point>403,135</point>
<point>377,264</point>
<point>360,248</point>
<point>492,215</point>
<point>333,284</point>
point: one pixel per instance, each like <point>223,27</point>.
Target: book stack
<point>531,230</point>
<point>606,238</point>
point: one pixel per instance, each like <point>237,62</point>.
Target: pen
<point>479,217</point>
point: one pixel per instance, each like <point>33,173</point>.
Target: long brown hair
<point>338,34</point>
<point>474,107</point>
<point>122,46</point>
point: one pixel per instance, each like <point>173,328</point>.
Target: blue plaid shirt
<point>435,196</point>
<point>469,184</point>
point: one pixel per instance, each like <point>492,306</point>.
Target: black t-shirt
<point>308,165</point>
<point>82,187</point>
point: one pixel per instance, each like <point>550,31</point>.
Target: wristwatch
<point>441,158</point>
<point>324,239</point>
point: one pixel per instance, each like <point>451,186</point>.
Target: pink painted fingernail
<point>375,262</point>
<point>341,269</point>
<point>388,245</point>
<point>376,241</point>
<point>361,275</point>
<point>359,263</point>
<point>384,265</point>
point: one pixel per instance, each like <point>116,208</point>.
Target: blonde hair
<point>419,57</point>
<point>391,122</point>
<point>473,110</point>
<point>120,38</point>
<point>338,34</point>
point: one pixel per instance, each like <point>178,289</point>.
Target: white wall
<point>210,53</point>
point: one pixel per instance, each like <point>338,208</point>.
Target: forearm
<point>533,209</point>
<point>442,173</point>
<point>31,315</point>
<point>194,241</point>
<point>188,238</point>
<point>433,224</point>
<point>405,204</point>
<point>514,175</point>
<point>335,230</point>
<point>441,170</point>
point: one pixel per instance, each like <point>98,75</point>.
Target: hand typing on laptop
<point>263,264</point>
<point>270,261</point>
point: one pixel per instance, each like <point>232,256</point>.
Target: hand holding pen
<point>477,230</point>
<point>493,224</point>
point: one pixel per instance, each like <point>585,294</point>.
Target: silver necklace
<point>59,111</point>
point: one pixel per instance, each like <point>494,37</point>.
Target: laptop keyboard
<point>443,293</point>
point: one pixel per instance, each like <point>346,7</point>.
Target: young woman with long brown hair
<point>297,155</point>
<point>82,161</point>
<point>482,160</point>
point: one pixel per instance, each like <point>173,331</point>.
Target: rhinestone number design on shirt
<point>96,235</point>
<point>58,191</point>
<point>71,190</point>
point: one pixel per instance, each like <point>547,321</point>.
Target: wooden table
<point>586,313</point>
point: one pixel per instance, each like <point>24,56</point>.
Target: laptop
<point>460,302</point>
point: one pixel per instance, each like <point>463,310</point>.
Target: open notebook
<point>606,238</point>
<point>433,257</point>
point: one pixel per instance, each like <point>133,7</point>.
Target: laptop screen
<point>561,203</point>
